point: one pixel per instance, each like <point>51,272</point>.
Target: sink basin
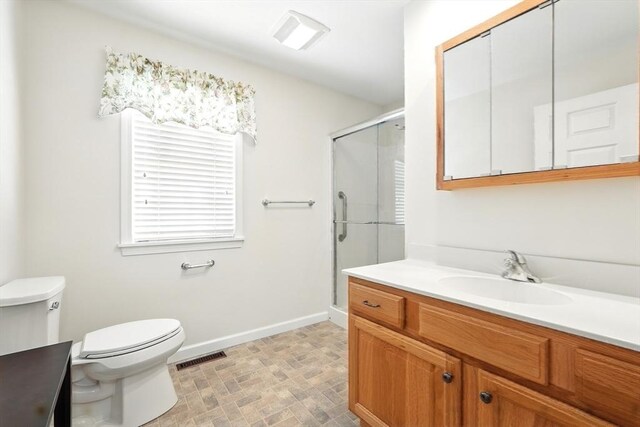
<point>505,290</point>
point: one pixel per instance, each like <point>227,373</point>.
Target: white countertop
<point>610,318</point>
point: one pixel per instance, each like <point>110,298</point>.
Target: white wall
<point>394,105</point>
<point>595,220</point>
<point>11,149</point>
<point>282,272</point>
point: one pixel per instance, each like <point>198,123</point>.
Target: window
<point>398,179</point>
<point>181,187</point>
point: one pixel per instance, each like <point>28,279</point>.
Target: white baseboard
<point>196,350</point>
<point>338,317</point>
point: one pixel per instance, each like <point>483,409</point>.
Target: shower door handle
<point>343,197</point>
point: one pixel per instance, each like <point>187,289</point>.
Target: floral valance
<point>165,93</point>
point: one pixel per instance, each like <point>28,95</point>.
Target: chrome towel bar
<point>187,266</point>
<point>337,221</point>
<point>267,202</point>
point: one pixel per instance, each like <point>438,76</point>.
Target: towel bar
<point>267,202</point>
<point>187,266</point>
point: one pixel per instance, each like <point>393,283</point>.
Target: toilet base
<point>136,400</point>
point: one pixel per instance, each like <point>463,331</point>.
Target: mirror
<point>521,79</point>
<point>596,82</point>
<point>467,95</point>
<point>545,91</point>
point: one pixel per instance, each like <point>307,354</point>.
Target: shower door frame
<point>391,115</point>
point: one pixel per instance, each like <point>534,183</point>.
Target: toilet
<point>119,373</point>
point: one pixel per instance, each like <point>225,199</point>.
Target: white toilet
<point>120,374</point>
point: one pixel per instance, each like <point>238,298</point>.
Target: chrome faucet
<point>517,269</point>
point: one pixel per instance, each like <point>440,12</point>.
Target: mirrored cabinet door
<point>596,82</point>
<point>467,101</point>
<point>521,81</point>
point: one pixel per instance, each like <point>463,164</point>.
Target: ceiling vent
<point>298,31</point>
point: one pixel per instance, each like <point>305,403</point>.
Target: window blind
<point>183,182</point>
<point>398,179</point>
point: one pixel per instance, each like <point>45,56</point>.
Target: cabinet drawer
<point>377,304</point>
<point>609,384</point>
<point>515,351</point>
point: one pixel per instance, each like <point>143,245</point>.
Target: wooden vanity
<point>419,361</point>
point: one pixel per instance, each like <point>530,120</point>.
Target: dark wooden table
<point>34,382</point>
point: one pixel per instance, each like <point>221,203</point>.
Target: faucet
<point>517,269</point>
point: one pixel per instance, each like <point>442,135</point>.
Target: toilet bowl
<point>120,375</point>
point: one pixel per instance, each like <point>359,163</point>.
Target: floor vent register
<point>199,360</point>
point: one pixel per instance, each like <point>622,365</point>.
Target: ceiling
<point>361,56</point>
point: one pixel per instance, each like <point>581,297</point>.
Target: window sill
<point>147,248</point>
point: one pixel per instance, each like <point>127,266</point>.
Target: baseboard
<point>196,350</point>
<point>338,317</point>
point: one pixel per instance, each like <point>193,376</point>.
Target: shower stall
<point>368,198</point>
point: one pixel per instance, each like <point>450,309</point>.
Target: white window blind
<point>183,182</point>
<point>399,190</point>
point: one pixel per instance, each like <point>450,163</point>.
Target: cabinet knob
<point>368,304</point>
<point>486,397</point>
<point>447,377</point>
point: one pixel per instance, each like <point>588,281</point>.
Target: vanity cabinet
<point>415,360</point>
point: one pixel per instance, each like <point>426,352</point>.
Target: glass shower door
<point>368,200</point>
<point>355,202</point>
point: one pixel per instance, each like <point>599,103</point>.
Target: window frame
<point>127,245</point>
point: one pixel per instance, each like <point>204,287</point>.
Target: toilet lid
<point>26,291</point>
<point>127,337</point>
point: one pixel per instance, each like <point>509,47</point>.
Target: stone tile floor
<point>298,378</point>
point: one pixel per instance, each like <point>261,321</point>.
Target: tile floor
<point>297,378</point>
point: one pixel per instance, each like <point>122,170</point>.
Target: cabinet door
<point>500,402</point>
<point>467,102</point>
<point>398,381</point>
<point>608,385</point>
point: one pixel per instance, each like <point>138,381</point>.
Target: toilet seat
<point>120,374</point>
<point>127,338</point>
<point>130,361</point>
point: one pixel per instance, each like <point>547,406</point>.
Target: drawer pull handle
<point>368,304</point>
<point>447,377</point>
<point>486,397</point>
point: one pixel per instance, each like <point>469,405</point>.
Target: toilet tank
<point>30,313</point>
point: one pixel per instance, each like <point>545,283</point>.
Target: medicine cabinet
<point>545,91</point>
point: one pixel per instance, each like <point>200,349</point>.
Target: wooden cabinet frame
<point>587,172</point>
